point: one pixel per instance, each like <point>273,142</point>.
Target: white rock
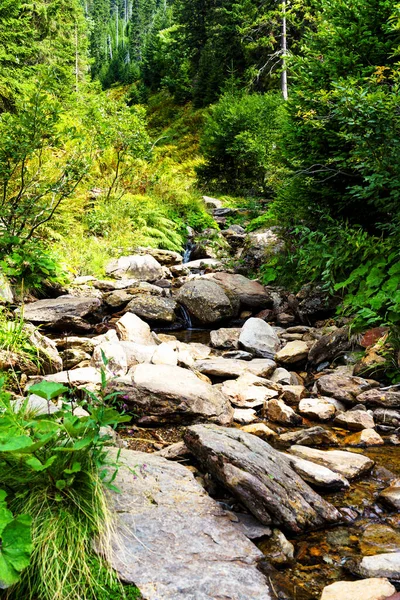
<point>259,338</point>
<point>366,589</point>
<point>132,329</point>
<point>317,408</point>
<point>248,390</point>
<point>143,268</point>
<point>348,464</point>
<point>282,376</point>
<point>115,358</point>
<point>244,415</point>
<point>317,474</point>
<point>165,355</point>
<point>381,565</point>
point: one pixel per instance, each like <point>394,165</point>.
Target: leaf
<point>61,484</point>
<point>16,549</point>
<point>38,466</point>
<point>16,443</point>
<point>76,468</point>
<point>48,389</point>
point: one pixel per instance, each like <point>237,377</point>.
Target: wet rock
<point>329,346</point>
<point>164,354</point>
<point>259,429</point>
<point>259,338</point>
<point>293,352</point>
<point>249,390</point>
<point>378,538</point>
<point>314,436</point>
<point>278,412</point>
<point>282,376</point>
<point>170,394</point>
<point>391,495</point>
<point>317,475</point>
<point>278,549</point>
<point>348,464</point>
<point>207,302</point>
<point>364,438</point>
<point>258,475</point>
<point>143,268</point>
<point>386,416</point>
<point>251,293</point>
<point>381,565</point>
<point>115,362</point>
<point>64,312</point>
<point>355,420</point>
<point>377,397</point>
<point>344,388</point>
<point>166,515</point>
<point>225,338</point>
<point>153,308</point>
<point>244,416</point>
<point>317,408</point>
<point>231,368</point>
<point>367,589</point>
<point>132,329</point>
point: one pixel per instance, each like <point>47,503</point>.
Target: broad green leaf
<point>48,389</point>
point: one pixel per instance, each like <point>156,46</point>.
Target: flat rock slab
<point>174,542</point>
<point>348,464</point>
<point>231,368</point>
<point>367,589</point>
<point>381,565</point>
<point>57,311</point>
<point>317,475</point>
<point>260,477</point>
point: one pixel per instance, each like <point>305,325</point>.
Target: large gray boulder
<point>343,387</point>
<point>169,394</point>
<point>64,312</point>
<point>260,477</point>
<point>259,338</point>
<point>153,308</point>
<point>377,397</point>
<point>143,268</point>
<point>251,293</point>
<point>207,302</point>
<point>176,543</point>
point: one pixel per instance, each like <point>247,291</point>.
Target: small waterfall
<point>187,321</point>
<point>187,252</point>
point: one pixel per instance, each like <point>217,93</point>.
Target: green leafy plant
<point>15,544</point>
<point>55,468</point>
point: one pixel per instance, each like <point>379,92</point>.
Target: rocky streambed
<point>258,465</point>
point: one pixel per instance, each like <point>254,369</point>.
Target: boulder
<point>344,388</point>
<point>282,376</point>
<point>249,390</point>
<point>259,338</point>
<point>164,257</point>
<point>292,394</point>
<point>278,412</point>
<point>355,420</point>
<point>293,352</point>
<point>137,353</point>
<point>314,436</point>
<point>111,357</point>
<point>381,565</point>
<point>207,302</point>
<point>175,542</point>
<point>50,359</point>
<point>317,408</point>
<point>330,345</point>
<point>118,299</point>
<point>62,313</point>
<point>69,342</point>
<point>109,285</point>
<point>76,377</point>
<point>364,438</point>
<point>366,589</point>
<point>231,368</point>
<point>377,397</point>
<point>165,355</point>
<point>244,416</point>
<point>169,394</point>
<point>258,475</point>
<point>317,475</point>
<point>251,293</point>
<point>226,338</point>
<point>348,464</point>
<point>386,416</point>
<point>143,268</point>
<point>132,329</point>
<point>391,495</point>
<point>153,308</point>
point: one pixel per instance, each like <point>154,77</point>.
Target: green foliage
<point>55,467</point>
<point>16,544</point>
<point>239,141</point>
<point>15,339</point>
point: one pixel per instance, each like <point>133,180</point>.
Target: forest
<point>261,137</point>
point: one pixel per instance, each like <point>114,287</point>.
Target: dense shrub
<point>239,142</point>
